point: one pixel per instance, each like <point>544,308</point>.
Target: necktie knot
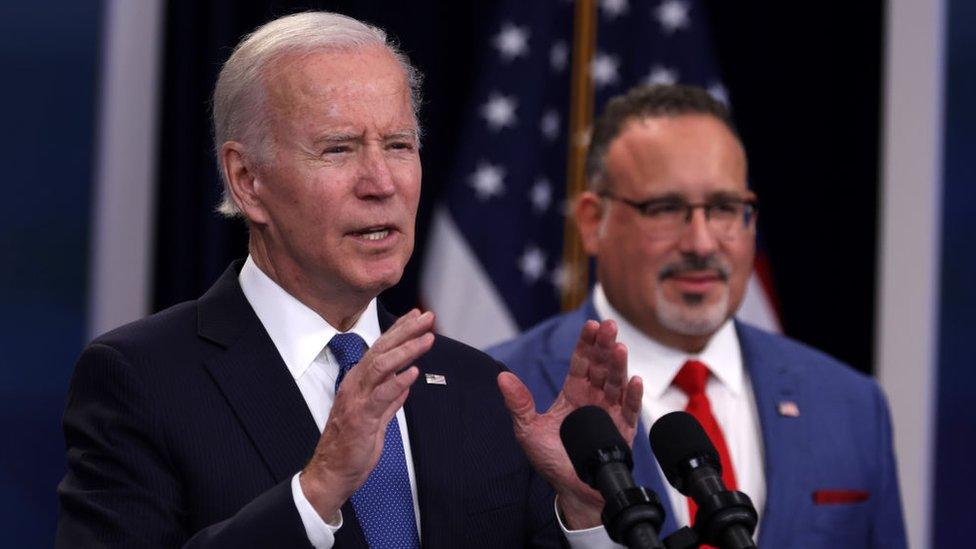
<point>348,350</point>
<point>692,377</point>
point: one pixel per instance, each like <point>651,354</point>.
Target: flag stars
<point>614,8</point>
<point>488,181</point>
<point>604,69</point>
<point>558,56</point>
<point>718,91</point>
<point>661,75</point>
<point>541,195</point>
<point>560,277</point>
<point>532,263</point>
<point>673,15</point>
<point>512,41</point>
<point>499,111</point>
<point>550,124</point>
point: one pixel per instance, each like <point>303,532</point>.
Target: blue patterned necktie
<point>384,505</point>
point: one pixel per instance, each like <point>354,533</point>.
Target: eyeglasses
<point>667,217</point>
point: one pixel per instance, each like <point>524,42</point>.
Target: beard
<point>690,314</point>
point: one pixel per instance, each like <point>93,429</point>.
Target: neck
<point>340,308</point>
<point>691,344</point>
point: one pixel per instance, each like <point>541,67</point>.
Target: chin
<point>698,319</point>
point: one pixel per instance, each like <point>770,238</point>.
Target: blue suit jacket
<point>185,428</point>
<point>840,441</point>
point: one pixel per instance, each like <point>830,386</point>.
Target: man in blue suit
<point>671,223</point>
<point>285,407</point>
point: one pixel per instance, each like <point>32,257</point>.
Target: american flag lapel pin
<point>788,408</point>
<point>435,379</point>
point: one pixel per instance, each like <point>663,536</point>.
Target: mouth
<point>374,234</point>
<point>697,282</point>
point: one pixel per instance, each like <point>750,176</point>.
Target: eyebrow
<point>710,197</point>
<point>341,137</point>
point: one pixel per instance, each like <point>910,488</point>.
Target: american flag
<point>493,265</point>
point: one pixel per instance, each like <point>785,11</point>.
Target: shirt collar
<point>297,331</point>
<point>658,364</point>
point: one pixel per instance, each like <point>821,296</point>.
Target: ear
<point>243,181</point>
<point>589,212</point>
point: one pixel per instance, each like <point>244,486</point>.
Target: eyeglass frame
<point>748,214</point>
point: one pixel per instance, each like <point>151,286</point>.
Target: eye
<point>401,145</point>
<point>336,149</point>
<point>663,209</point>
<point>725,208</point>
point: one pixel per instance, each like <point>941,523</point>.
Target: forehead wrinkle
<point>300,97</point>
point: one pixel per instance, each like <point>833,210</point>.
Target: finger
<point>578,363</point>
<point>616,374</point>
<point>606,336</point>
<point>386,395</point>
<point>382,366</point>
<point>632,401</point>
<point>517,398</point>
<point>405,328</point>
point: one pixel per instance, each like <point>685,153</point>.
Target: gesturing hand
<point>597,376</point>
<point>371,394</point>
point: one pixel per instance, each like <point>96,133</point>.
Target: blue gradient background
<point>49,52</point>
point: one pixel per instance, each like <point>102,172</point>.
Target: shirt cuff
<point>590,538</point>
<point>321,534</point>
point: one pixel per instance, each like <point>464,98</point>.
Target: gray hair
<point>646,102</point>
<point>239,97</point>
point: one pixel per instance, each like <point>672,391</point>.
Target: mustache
<point>694,263</point>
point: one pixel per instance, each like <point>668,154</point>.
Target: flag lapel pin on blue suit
<point>435,379</point>
<point>788,408</point>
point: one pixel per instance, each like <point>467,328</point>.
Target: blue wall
<point>49,54</point>
<point>956,434</point>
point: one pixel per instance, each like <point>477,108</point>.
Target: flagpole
<point>580,118</point>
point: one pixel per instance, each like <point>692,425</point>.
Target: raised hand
<point>371,394</point>
<point>597,376</point>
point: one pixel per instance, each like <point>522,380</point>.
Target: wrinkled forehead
<point>364,81</point>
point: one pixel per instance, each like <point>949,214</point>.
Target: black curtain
<point>806,91</point>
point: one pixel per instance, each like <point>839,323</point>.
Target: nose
<point>697,237</point>
<point>375,178</point>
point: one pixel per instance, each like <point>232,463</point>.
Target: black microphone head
<point>678,440</point>
<point>591,440</point>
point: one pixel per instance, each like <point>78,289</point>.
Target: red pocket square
<point>833,497</point>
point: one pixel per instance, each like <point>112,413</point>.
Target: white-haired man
<point>222,421</point>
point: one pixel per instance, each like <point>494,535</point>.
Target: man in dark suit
<point>238,419</point>
<point>671,222</point>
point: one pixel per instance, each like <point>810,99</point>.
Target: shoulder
<point>159,330</point>
<point>815,369</point>
<point>553,338</point>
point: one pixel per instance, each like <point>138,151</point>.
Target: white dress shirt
<point>301,337</point>
<point>728,389</point>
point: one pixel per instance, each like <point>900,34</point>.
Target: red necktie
<point>692,379</point>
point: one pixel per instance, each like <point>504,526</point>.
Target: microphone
<point>691,464</point>
<point>631,514</point>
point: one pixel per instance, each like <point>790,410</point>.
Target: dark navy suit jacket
<point>841,441</point>
<point>185,428</point>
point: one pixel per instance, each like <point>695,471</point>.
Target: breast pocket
<point>843,525</point>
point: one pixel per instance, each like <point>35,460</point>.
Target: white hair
<point>239,97</point>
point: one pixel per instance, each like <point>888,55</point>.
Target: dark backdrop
<point>806,94</point>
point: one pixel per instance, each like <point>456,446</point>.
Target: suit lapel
<point>647,474</point>
<point>254,379</point>
<point>785,439</point>
<point>556,366</point>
